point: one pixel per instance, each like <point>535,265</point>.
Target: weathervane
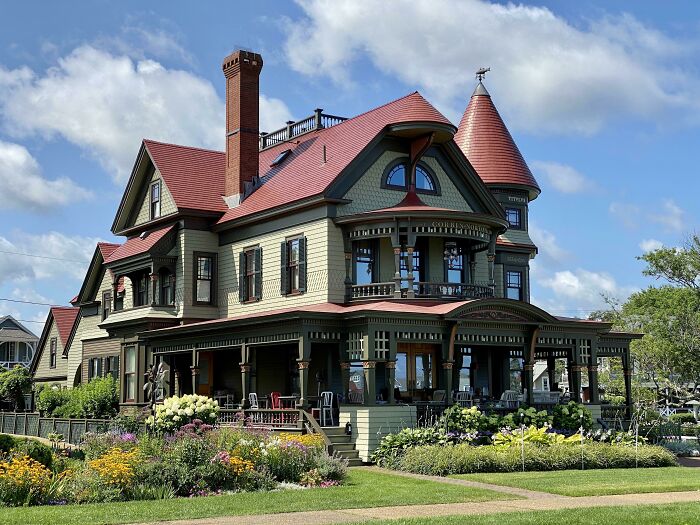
<point>481,73</point>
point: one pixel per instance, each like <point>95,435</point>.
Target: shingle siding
<point>167,204</point>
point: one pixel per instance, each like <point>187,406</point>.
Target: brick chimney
<point>242,72</point>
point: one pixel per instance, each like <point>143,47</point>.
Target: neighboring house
<point>17,343</point>
<point>380,257</point>
<point>49,366</point>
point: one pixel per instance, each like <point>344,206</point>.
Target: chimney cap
<point>241,57</point>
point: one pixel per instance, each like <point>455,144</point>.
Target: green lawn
<point>597,482</point>
<point>364,488</point>
<point>673,514</point>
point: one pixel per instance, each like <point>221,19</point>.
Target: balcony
<point>422,290</point>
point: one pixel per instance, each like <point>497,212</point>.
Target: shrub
<point>14,384</point>
<point>48,399</point>
<point>34,450</point>
<point>98,399</point>
<point>333,468</point>
<point>96,445</point>
<point>6,443</point>
<point>465,459</point>
<point>527,416</point>
<point>682,417</point>
<point>176,412</point>
<point>459,419</point>
<point>571,417</point>
<point>392,446</point>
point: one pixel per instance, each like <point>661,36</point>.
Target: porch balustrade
<point>423,290</point>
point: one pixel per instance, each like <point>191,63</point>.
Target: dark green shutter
<point>99,367</point>
<point>242,289</point>
<point>302,264</point>
<point>284,277</point>
<point>258,273</point>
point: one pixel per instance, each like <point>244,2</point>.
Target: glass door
<point>416,376</point>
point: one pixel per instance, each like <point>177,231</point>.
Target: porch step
<point>343,445</point>
<point>357,462</point>
<point>334,431</point>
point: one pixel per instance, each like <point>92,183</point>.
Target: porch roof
<point>402,306</point>
<point>138,245</point>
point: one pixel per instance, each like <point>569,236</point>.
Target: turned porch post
<point>627,372</point>
<point>574,373</point>
<point>154,289</point>
<point>491,256</point>
<point>303,363</point>
<point>529,365</point>
<point>551,371</point>
<point>397,272</point>
<point>594,396</point>
<point>195,370</point>
<point>245,374</point>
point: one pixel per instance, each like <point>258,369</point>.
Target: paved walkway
<point>531,501</point>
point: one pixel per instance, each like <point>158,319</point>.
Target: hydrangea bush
<point>176,412</point>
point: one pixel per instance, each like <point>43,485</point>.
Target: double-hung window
<point>155,200</point>
<point>112,366</point>
<point>293,266</point>
<point>130,373</point>
<point>94,368</point>
<point>141,290</point>
<point>52,353</point>
<point>205,278</point>
<point>106,304</point>
<point>250,274</point>
<point>514,285</point>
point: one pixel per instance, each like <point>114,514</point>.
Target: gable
<point>142,214</point>
<point>457,188</point>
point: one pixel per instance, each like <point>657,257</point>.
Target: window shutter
<point>284,277</point>
<point>258,273</point>
<point>302,264</point>
<point>99,367</point>
<point>242,289</point>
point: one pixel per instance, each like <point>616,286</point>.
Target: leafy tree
<point>678,266</point>
<point>14,384</point>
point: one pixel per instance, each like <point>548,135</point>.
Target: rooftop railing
<point>318,120</point>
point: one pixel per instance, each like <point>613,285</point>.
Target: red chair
<point>275,400</point>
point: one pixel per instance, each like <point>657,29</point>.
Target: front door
<point>416,375</point>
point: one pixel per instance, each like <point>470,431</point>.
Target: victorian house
<point>17,343</point>
<point>384,258</point>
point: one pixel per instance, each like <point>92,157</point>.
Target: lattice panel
<point>356,343</point>
<point>381,345</point>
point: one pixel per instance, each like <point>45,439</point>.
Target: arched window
<point>397,176</point>
<point>424,182</point>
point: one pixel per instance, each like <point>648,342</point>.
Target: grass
<point>597,482</point>
<point>363,488</point>
<point>671,514</point>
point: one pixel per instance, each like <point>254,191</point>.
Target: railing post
<point>263,140</point>
<point>289,123</point>
<point>317,114</point>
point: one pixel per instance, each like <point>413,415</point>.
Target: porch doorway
<point>416,374</point>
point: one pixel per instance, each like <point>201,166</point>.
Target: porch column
<point>115,288</point>
<point>627,372</point>
<point>447,367</point>
<point>551,371</point>
<point>303,362</point>
<point>594,395</point>
<point>348,274</point>
<point>397,272</point>
<point>529,365</point>
<point>154,289</point>
<point>574,373</point>
<point>491,256</point>
<point>410,293</point>
<point>245,374</point>
<point>345,377</point>
<point>195,370</point>
<point>472,269</point>
<point>391,378</point>
<point>370,373</point>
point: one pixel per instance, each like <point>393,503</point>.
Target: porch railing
<point>284,418</point>
<point>373,290</point>
<point>614,412</point>
<point>453,290</point>
<point>318,120</point>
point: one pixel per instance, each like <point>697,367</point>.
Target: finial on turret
<point>481,73</point>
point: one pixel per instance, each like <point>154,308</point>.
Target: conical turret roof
<point>486,142</point>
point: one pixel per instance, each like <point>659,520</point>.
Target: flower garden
<point>467,441</point>
<point>183,455</point>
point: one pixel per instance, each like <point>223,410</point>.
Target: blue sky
<point>603,99</point>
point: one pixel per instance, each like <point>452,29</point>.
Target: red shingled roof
<point>303,173</point>
<point>487,143</point>
<point>137,245</point>
<point>64,317</point>
<point>106,248</point>
<point>194,176</point>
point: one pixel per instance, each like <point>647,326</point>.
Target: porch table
<point>288,401</point>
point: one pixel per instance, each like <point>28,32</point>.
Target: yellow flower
<point>25,472</point>
<point>308,440</point>
<point>240,466</point>
<point>116,466</point>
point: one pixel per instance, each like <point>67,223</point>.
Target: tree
<point>678,266</point>
<point>14,384</point>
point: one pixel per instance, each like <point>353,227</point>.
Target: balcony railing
<point>318,120</point>
<point>373,290</point>
<point>453,290</point>
<point>422,290</point>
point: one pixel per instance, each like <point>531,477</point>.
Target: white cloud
<point>584,287</point>
<point>649,245</point>
<point>51,255</point>
<point>547,244</point>
<point>561,177</point>
<point>548,74</point>
<point>671,216</point>
<point>25,188</point>
<point>106,103</point>
<point>273,113</point>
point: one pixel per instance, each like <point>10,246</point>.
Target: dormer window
<point>513,216</point>
<point>396,178</point>
<point>155,200</point>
